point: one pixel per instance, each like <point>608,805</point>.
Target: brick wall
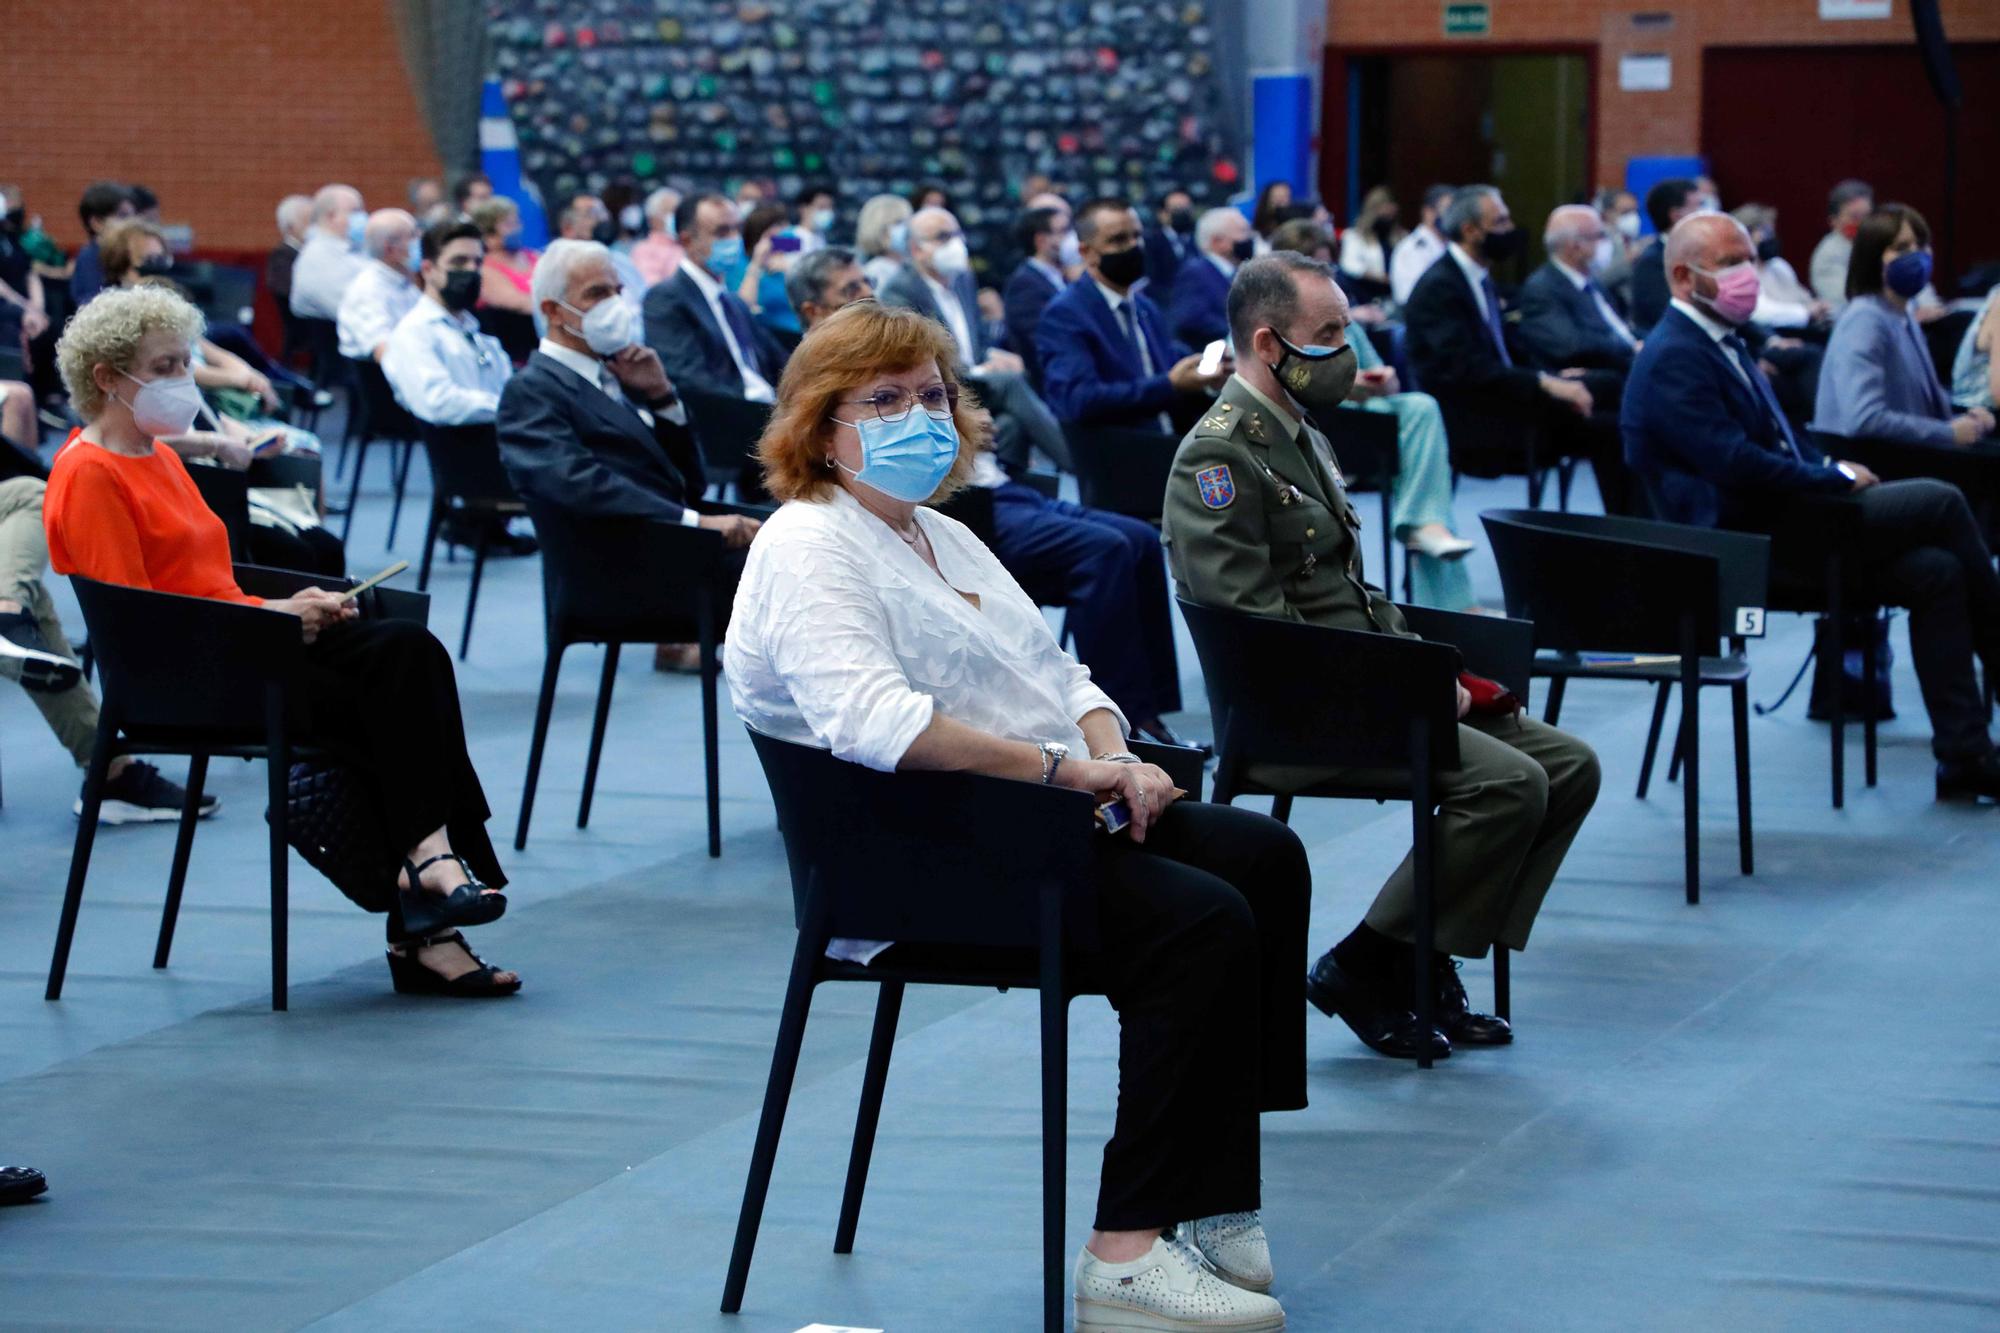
<point>222,108</point>
<point>1641,124</point>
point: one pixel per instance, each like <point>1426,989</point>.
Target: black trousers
<point>1924,550</point>
<point>382,696</point>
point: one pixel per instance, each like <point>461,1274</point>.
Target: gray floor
<point>1775,1110</point>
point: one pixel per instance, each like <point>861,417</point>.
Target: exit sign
<point>1468,20</point>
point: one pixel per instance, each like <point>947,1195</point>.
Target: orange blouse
<point>139,522</point>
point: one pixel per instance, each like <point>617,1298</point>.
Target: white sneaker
<point>1234,1245</point>
<point>1169,1289</point>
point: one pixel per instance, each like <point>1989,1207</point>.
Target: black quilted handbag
<point>335,823</point>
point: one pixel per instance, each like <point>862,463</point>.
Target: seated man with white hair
<point>384,290</point>
<point>1567,317</point>
<point>1200,310</point>
<point>331,256</point>
<point>294,219</point>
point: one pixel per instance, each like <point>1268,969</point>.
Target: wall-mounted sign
<point>1854,9</point>
<point>1468,20</point>
<point>1648,73</point>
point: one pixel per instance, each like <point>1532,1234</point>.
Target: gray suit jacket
<point>1878,381</point>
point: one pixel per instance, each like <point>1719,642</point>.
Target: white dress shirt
<point>443,369</point>
<point>953,311</point>
<point>1582,282</point>
<point>1411,259</point>
<point>589,368</point>
<point>1717,331</point>
<point>755,387</point>
<point>321,273</point>
<point>1474,274</point>
<point>371,307</point>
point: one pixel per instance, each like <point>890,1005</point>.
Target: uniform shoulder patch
<point>1217,487</point>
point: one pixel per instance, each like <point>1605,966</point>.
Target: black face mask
<point>461,290</point>
<point>1504,245</point>
<point>1122,268</point>
<point>1244,250</point>
<point>605,232</point>
<point>1182,221</point>
<point>156,267</point>
<point>1767,249</point>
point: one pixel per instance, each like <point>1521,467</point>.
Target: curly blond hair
<point>107,332</point>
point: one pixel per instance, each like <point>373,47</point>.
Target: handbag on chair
<point>335,823</point>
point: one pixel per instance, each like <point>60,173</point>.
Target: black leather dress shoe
<point>1970,779</point>
<point>18,1184</point>
<point>1156,730</point>
<point>1382,1027</point>
<point>1458,1021</point>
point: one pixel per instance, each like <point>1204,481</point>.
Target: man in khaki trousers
<point>1257,520</point>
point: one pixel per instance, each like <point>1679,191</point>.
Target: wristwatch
<point>1053,753</point>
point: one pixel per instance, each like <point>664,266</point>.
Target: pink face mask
<point>1736,290</point>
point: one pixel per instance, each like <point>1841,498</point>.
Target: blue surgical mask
<point>1906,275</point>
<point>908,459</point>
<point>413,261</point>
<point>899,238</point>
<point>727,261</point>
<point>357,225</point>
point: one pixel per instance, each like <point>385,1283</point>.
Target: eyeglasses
<point>892,405</point>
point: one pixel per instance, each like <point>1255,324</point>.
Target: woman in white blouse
<point>876,627</point>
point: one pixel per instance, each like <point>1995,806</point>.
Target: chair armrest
<point>1491,646</point>
<point>1182,763</point>
<point>378,603</point>
<point>1048,483</point>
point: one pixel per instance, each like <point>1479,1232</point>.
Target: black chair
<point>1122,470</point>
<point>469,485</point>
<point>616,581</point>
<point>227,493</point>
<point>1364,443</point>
<point>1280,692</point>
<point>192,676</point>
<point>1577,576</point>
<point>1975,469</point>
<point>726,431</point>
<point>384,419</point>
<point>1491,437</point>
<point>1942,337</point>
<point>1032,895</point>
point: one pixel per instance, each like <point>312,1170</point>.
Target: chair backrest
<point>1974,470</point>
<point>1120,469</point>
<point>1495,647</point>
<point>972,506</point>
<point>284,471</point>
<point>1364,443</point>
<point>1943,336</point>
<point>943,858</point>
<point>726,430</point>
<point>171,666</point>
<point>321,339</point>
<point>1607,586</point>
<point>387,418</point>
<point>227,493</point>
<point>622,579</point>
<point>1281,692</point>
<point>465,463</point>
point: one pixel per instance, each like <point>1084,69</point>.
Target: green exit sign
<point>1468,20</point>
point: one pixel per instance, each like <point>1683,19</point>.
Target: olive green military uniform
<point>1258,520</point>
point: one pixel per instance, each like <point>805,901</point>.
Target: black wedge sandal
<point>413,978</point>
<point>470,904</point>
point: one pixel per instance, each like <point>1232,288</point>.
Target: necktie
<point>1762,389</point>
<point>1493,318</point>
<point>1130,320</point>
<point>746,338</point>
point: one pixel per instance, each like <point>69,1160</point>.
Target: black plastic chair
<point>1475,426</point>
<point>1122,470</point>
<point>227,494</point>
<point>1975,470</point>
<point>1280,692</point>
<point>1577,578</point>
<point>616,581</point>
<point>842,824</point>
<point>726,431</point>
<point>467,483</point>
<point>1364,443</point>
<point>383,418</point>
<point>192,676</point>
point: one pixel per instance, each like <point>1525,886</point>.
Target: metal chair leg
<point>1423,865</point>
<point>279,767</point>
<point>1870,677</point>
<point>1691,752</point>
<point>183,845</point>
<point>881,1043</point>
<point>430,543</point>
<point>79,857</point>
<point>543,707</point>
<point>1653,737</point>
<point>1503,988</point>
<point>711,754</point>
<point>1055,1110</point>
<point>1281,809</point>
<point>1739,707</point>
<point>354,488</point>
<point>604,684</point>
<point>472,593</point>
<point>1554,707</point>
<point>396,506</point>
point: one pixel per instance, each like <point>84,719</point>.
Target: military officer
<point>1257,520</point>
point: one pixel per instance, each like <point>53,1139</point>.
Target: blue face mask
<point>357,224</point>
<point>727,261</point>
<point>1906,275</point>
<point>899,238</point>
<point>908,459</point>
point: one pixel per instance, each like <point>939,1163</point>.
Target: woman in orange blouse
<point>121,508</point>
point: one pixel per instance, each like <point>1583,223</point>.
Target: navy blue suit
<point>682,329</point>
<point>1562,327</point>
<point>1090,369</point>
<point>1024,298</point>
<point>1200,311</point>
<point>1168,254</point>
<point>1649,287</point>
<point>1711,448</point>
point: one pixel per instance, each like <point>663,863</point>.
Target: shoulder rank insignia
<point>1218,488</point>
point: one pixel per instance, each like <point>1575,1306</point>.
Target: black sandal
<point>470,904</point>
<point>413,978</point>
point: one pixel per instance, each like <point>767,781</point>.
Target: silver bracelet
<point>1118,757</point>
